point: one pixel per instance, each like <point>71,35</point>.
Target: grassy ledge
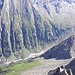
<point>16,68</point>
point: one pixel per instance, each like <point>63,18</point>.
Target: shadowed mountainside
<point>71,65</point>
<point>64,50</point>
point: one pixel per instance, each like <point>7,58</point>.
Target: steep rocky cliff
<point>25,26</point>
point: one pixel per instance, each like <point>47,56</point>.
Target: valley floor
<point>46,66</point>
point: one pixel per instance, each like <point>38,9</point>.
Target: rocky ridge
<point>60,71</point>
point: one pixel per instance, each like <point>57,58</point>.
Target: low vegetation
<point>16,68</point>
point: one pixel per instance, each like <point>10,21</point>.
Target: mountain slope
<point>64,50</point>
<point>25,26</point>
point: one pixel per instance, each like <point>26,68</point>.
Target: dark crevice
<point>12,37</point>
<point>24,34</point>
<point>4,42</point>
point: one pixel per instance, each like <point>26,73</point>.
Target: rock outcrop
<point>60,71</point>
